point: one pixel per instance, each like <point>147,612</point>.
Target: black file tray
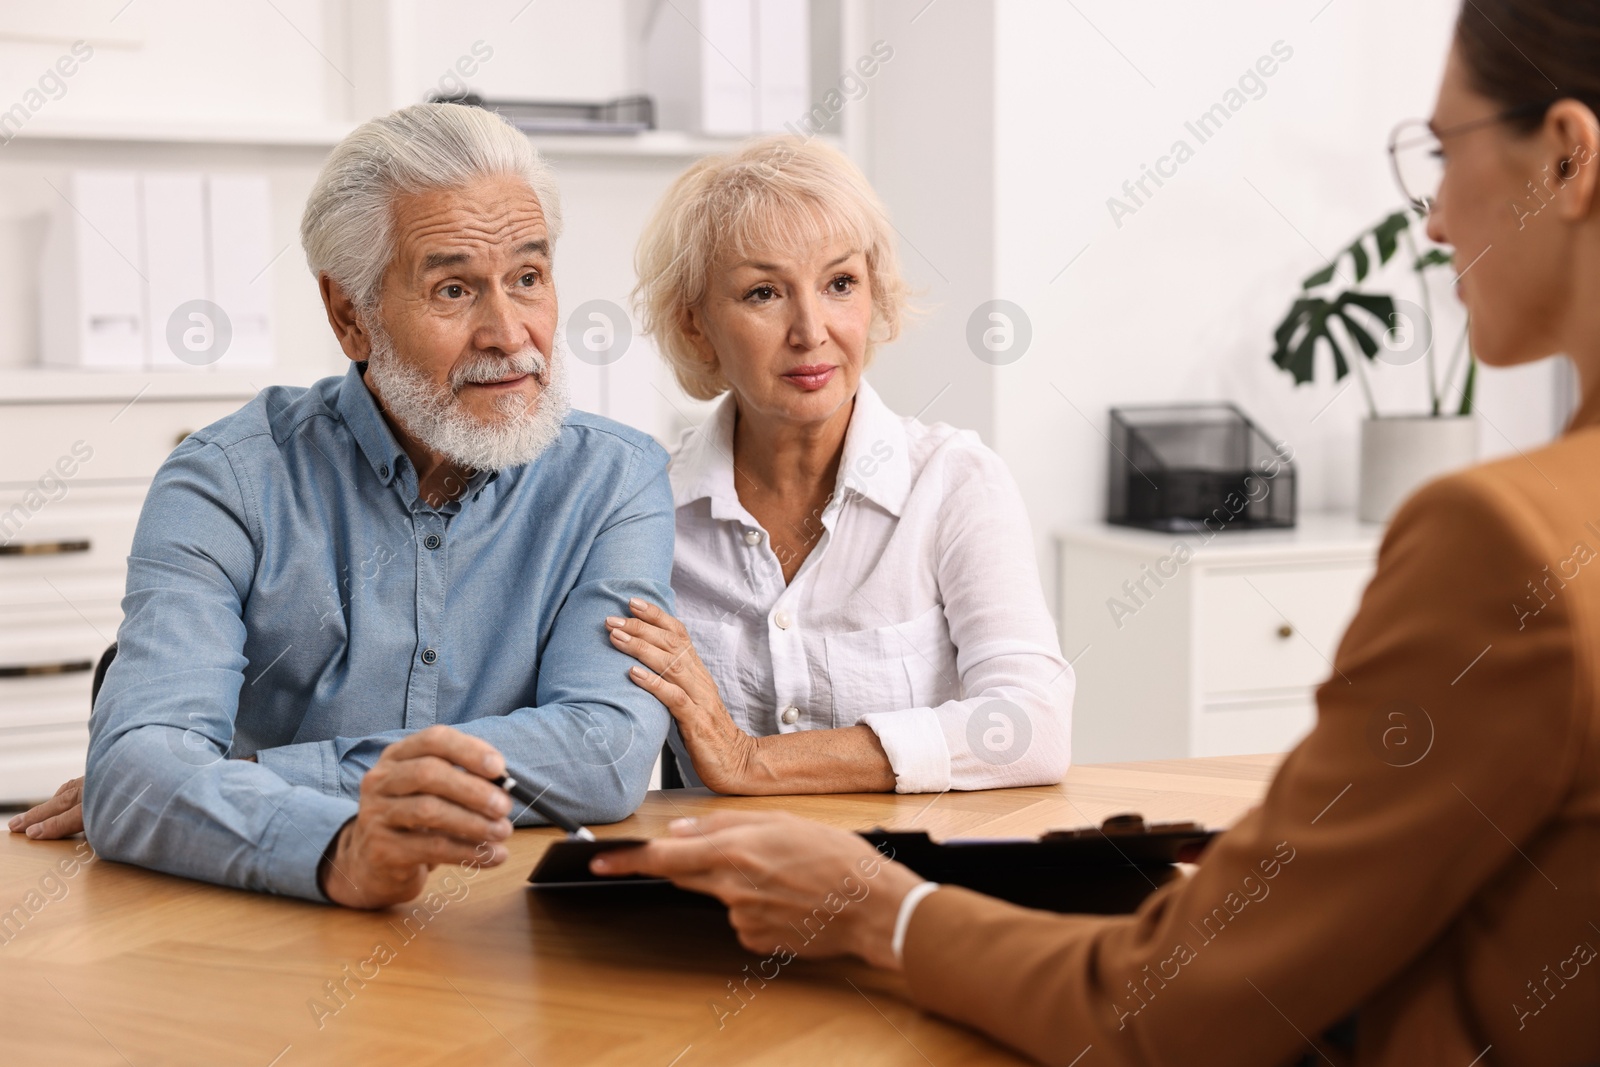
<point>1106,870</point>
<point>624,115</point>
<point>1196,467</point>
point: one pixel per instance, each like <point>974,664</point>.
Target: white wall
<point>1178,303</point>
<point>931,156</point>
<point>606,204</point>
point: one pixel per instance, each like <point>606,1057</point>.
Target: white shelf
<point>1313,533</point>
<point>672,144</point>
<point>651,143</point>
<point>33,385</point>
<point>141,131</point>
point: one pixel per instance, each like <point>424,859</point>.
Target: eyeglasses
<point>1417,156</point>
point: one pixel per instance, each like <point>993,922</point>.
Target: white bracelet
<point>903,921</point>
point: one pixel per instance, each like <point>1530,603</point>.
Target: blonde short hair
<point>783,190</point>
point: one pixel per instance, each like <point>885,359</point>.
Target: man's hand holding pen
<point>430,799</point>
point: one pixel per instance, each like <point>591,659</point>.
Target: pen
<point>575,830</point>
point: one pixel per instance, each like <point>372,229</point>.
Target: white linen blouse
<point>918,612</point>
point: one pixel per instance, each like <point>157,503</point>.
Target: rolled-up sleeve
<point>159,791</point>
<point>1013,725</point>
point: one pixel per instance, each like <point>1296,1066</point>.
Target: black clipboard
<point>1104,870</point>
<point>565,865</point>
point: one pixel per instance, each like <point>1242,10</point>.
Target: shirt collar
<point>702,469</point>
<point>873,464</point>
<point>360,411</point>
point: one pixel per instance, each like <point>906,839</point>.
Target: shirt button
<point>783,619</point>
<point>383,471</point>
<point>429,655</point>
<point>752,537</point>
<point>790,716</point>
<point>431,541</point>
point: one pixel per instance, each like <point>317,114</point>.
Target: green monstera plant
<point>1358,326</point>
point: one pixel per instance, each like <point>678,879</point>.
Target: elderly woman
<point>860,609</point>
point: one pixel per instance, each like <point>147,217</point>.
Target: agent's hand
<point>428,800</point>
<point>60,816</point>
<point>724,756</point>
<point>790,884</point>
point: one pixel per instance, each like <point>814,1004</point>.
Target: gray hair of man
<point>347,229</point>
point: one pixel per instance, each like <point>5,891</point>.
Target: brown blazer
<point>1427,860</point>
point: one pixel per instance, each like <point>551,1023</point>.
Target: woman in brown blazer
<point>1372,910</point>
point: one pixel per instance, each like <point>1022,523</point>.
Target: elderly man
<point>378,593</point>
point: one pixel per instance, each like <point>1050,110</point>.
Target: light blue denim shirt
<point>289,597</point>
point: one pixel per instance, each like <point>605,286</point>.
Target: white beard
<point>437,419</point>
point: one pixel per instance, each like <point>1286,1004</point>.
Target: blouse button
<point>752,537</point>
<point>783,619</point>
<point>791,715</point>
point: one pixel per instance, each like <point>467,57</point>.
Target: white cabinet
<point>73,476</point>
<point>1205,645</point>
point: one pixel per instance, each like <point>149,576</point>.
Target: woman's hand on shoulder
<point>670,669</point>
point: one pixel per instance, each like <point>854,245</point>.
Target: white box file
<point>176,274</point>
<point>241,251</point>
<point>92,286</point>
<point>783,62</point>
<point>155,271</point>
<point>729,67</point>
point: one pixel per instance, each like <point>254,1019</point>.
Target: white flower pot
<point>1399,454</point>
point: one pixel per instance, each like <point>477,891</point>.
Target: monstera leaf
<point>1363,318</point>
<point>1385,238</point>
<point>1310,322</point>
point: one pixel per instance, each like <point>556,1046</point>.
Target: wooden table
<point>119,966</point>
